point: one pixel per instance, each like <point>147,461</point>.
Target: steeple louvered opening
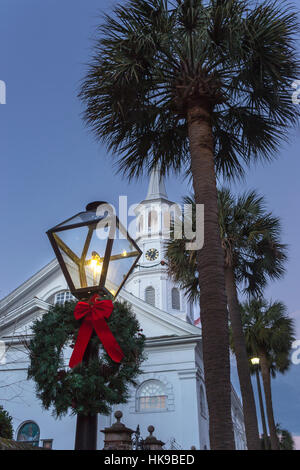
<point>175,299</point>
<point>150,295</point>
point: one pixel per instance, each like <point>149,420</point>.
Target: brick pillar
<point>117,437</point>
<point>151,443</point>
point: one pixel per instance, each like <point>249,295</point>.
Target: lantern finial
<point>92,206</point>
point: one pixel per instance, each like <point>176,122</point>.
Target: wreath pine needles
<point>88,388</point>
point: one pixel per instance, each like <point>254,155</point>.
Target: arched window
<point>152,221</point>
<point>175,299</point>
<point>202,401</point>
<point>140,224</point>
<point>150,295</point>
<point>166,221</point>
<point>151,395</point>
<point>62,297</point>
<point>29,432</point>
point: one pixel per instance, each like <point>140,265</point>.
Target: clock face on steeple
<point>152,254</point>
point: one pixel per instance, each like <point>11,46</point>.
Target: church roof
<point>21,306</point>
<point>156,188</point>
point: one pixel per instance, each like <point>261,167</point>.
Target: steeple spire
<point>156,188</point>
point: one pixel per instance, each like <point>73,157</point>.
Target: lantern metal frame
<point>86,292</point>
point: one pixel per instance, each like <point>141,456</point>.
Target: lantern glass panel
<point>95,252</point>
<point>72,268</point>
<point>81,218</point>
<point>123,256</point>
<point>83,252</point>
<point>73,240</point>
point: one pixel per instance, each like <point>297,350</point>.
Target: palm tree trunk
<point>265,372</point>
<point>214,316</point>
<point>242,360</point>
<point>262,411</point>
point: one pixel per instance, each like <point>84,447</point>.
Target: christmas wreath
<point>87,388</point>
<point>6,428</point>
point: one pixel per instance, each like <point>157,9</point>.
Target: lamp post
<point>96,255</point>
<point>255,362</point>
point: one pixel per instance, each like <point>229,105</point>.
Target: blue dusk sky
<point>51,165</point>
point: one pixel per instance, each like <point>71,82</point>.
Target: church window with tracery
<point>62,297</point>
<point>151,395</point>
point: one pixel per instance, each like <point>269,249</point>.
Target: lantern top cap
<point>89,215</point>
<point>92,206</point>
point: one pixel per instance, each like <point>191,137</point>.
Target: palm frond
<point>267,327</point>
<point>247,53</point>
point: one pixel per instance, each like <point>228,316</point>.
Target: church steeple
<point>150,281</point>
<point>156,188</point>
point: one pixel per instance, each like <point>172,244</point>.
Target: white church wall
<point>238,421</point>
<point>203,411</point>
<point>202,401</point>
<point>175,367</point>
<point>173,355</point>
<point>17,395</point>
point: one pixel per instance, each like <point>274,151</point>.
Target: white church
<point>171,391</point>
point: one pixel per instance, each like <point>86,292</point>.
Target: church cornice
<point>153,237</point>
<point>172,340</point>
<point>156,201</point>
<point>18,314</point>
<point>146,270</point>
<point>26,286</point>
<point>179,326</point>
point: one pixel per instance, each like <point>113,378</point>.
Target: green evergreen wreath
<point>6,427</point>
<point>88,388</point>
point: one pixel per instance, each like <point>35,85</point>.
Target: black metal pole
<point>262,411</point>
<point>86,425</point>
<point>86,432</point>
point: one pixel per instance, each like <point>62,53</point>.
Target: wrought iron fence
<point>137,440</point>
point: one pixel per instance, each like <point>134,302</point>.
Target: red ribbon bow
<point>94,314</point>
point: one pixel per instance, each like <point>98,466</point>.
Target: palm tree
<point>202,86</point>
<point>254,369</point>
<point>286,441</point>
<point>269,333</point>
<point>253,254</point>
